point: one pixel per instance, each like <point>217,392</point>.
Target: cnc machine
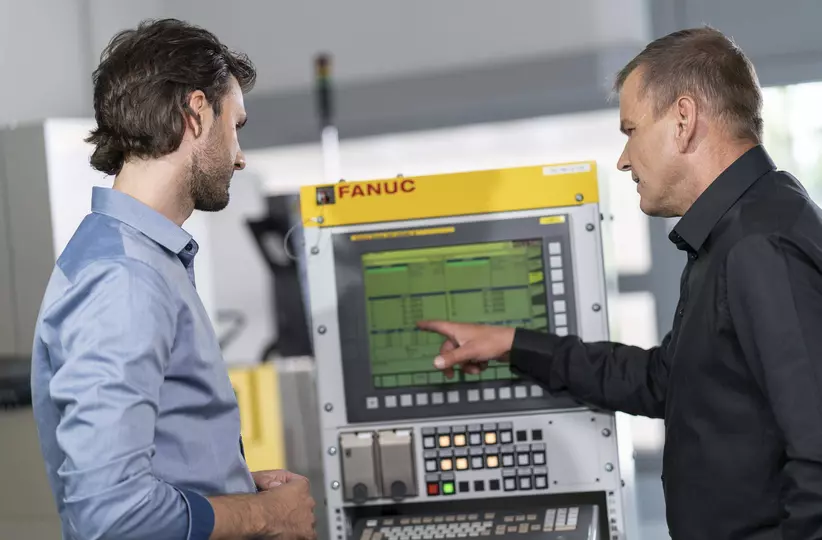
<point>409,454</point>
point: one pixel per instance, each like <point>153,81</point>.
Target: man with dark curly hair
<point>137,418</point>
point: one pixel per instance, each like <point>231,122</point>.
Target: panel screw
<point>320,219</point>
<point>321,329</point>
<point>579,197</point>
<point>332,450</point>
<point>609,467</point>
<point>335,485</point>
<point>328,407</point>
<point>596,307</point>
<point>589,227</point>
<point>606,432</point>
<point>315,250</point>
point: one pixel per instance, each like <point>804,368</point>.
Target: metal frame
<point>579,423</point>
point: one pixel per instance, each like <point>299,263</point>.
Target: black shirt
<point>738,379</point>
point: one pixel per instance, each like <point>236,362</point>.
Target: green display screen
<point>499,283</point>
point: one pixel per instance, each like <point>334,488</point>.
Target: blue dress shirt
<point>137,418</point>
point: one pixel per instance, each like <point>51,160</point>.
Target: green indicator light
<point>448,488</point>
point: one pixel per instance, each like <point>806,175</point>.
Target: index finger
<point>445,328</point>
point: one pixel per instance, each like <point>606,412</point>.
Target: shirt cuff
<point>532,354</point>
<point>200,515</point>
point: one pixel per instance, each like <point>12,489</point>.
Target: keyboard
<point>567,523</point>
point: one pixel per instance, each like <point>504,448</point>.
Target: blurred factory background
<point>420,87</point>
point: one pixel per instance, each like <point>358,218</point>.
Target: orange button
<point>445,441</point>
<point>492,462</point>
<point>459,440</point>
<point>462,464</point>
<point>446,464</point>
<point>490,438</point>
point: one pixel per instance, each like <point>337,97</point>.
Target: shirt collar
<point>698,222</point>
<point>117,205</point>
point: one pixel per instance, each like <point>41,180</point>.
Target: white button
<point>561,331</point>
<point>428,442</point>
<point>561,319</point>
<point>406,400</point>
<point>539,458</point>
<point>506,437</point>
<point>536,391</point>
<point>430,465</point>
<point>559,306</point>
<point>489,394</point>
<point>554,248</point>
<point>372,403</point>
<point>474,439</point>
<point>473,395</point>
<point>422,399</point>
<point>558,288</point>
<point>476,462</point>
<point>454,396</point>
<point>521,392</point>
<point>510,484</point>
<point>525,482</point>
<point>437,398</point>
<point>523,460</point>
<point>556,274</point>
<point>540,482</point>
<point>508,460</point>
<point>556,261</point>
<point>505,393</point>
<point>390,402</point>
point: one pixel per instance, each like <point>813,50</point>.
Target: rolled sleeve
<point>112,335</point>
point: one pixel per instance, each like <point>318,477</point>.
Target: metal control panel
<point>409,453</point>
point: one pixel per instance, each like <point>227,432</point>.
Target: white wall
<point>44,60</point>
<point>52,46</point>
<point>374,39</point>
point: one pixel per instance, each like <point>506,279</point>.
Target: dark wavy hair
<point>143,83</point>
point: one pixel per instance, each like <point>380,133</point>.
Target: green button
<point>448,488</point>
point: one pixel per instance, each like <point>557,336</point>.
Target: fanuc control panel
<point>408,453</point>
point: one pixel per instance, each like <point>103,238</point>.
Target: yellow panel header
<point>468,193</point>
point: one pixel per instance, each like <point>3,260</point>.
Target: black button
<point>189,247</point>
<point>536,434</point>
<point>522,436</point>
<point>465,487</point>
<point>493,485</point>
<point>693,255</point>
<point>479,485</point>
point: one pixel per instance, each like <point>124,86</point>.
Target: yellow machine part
<point>261,424</point>
<point>442,195</point>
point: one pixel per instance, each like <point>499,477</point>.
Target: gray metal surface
<point>301,428</point>
<point>8,320</point>
<point>28,206</point>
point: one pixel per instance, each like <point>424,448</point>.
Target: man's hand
<point>288,511</point>
<point>284,512</point>
<point>469,345</point>
<point>266,480</point>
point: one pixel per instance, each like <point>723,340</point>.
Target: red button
<point>433,488</point>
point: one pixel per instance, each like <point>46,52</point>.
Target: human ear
<point>686,112</point>
<point>195,107</point>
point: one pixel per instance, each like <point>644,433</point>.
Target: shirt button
<point>189,247</point>
<point>692,255</point>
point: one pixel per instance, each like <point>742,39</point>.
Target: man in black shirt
<point>738,379</point>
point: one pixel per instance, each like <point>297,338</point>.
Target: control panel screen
<point>497,283</point>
